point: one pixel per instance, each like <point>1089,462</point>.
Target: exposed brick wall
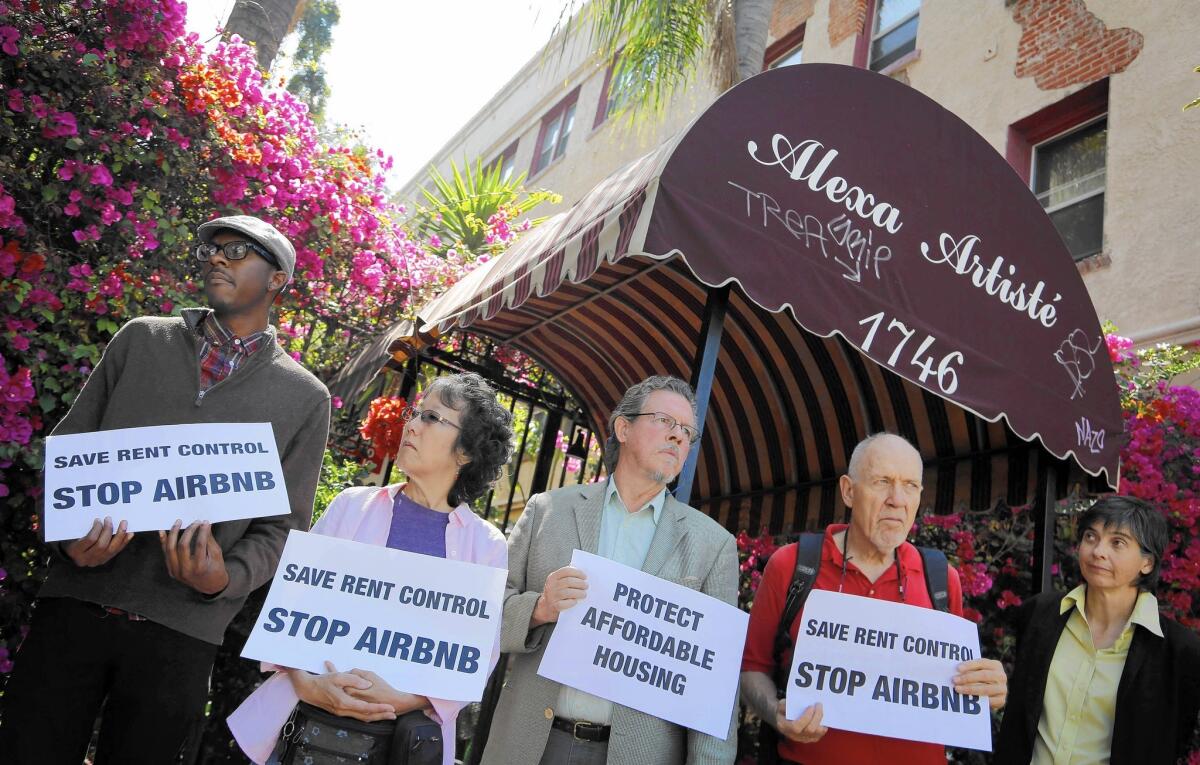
<point>846,19</point>
<point>1063,43</point>
<point>787,15</point>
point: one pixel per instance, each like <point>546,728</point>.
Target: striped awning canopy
<point>843,314</point>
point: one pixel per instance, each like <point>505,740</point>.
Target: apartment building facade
<point>1082,97</point>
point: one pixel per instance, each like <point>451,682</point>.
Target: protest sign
<point>150,477</point>
<point>650,644</point>
<point>426,625</point>
<point>885,668</point>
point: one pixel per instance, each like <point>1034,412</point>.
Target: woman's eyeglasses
<point>427,416</point>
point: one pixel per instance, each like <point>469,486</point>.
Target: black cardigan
<point>1157,699</point>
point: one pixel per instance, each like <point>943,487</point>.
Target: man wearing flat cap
<point>132,622</point>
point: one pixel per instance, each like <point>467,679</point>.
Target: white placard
<point>885,668</point>
<point>150,477</point>
<point>427,625</point>
<point>650,644</point>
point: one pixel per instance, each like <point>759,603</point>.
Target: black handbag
<point>315,737</point>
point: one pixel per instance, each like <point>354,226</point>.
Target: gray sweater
<point>150,375</point>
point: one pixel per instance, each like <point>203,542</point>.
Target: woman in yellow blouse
<point>1100,676</point>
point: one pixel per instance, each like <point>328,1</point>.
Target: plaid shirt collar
<point>221,352</point>
<point>214,333</point>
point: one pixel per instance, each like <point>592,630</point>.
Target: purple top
<point>416,528</point>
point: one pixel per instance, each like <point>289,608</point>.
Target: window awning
<point>887,270</point>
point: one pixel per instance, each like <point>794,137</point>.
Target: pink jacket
<point>364,514</point>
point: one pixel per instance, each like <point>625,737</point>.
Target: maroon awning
<point>852,203</point>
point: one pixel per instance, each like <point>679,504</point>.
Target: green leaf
<point>90,59</point>
<point>49,193</point>
<point>74,144</point>
<point>47,402</point>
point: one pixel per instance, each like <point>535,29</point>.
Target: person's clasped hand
<point>332,692</point>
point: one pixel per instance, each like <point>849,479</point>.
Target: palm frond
<point>661,44</point>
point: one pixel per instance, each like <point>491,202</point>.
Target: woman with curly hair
<point>456,443</point>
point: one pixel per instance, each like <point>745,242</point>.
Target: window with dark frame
<point>792,57</point>
<point>554,133</point>
<point>788,50</point>
<point>1061,153</point>
<point>894,32</point>
<point>610,91</point>
<point>507,160</point>
<point>1068,175</point>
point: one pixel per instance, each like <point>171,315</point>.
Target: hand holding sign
<point>983,677</point>
<point>202,569</point>
<point>806,728</point>
<point>564,588</point>
<point>100,545</point>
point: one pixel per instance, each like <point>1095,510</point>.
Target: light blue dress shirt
<point>625,537</point>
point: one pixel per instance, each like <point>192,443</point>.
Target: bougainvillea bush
<point>119,134</point>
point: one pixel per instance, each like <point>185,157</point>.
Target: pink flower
<point>100,176</point>
<point>336,402</point>
<point>62,125</point>
<point>1008,599</point>
<point>8,40</point>
<point>16,101</point>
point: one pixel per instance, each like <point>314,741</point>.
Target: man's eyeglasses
<point>232,251</point>
<point>428,416</point>
<point>668,423</point>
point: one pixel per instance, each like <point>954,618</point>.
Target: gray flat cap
<point>261,232</point>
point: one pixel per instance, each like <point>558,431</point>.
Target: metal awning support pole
<point>703,371</point>
<point>1044,529</point>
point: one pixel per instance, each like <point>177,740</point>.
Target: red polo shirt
<point>838,746</point>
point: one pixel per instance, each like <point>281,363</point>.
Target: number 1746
<point>946,374</point>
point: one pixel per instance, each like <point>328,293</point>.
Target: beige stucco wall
<point>1149,284</point>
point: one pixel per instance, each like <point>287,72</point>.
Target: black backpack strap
<point>936,577</point>
<point>808,561</point>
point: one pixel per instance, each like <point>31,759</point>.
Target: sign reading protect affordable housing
<point>650,644</point>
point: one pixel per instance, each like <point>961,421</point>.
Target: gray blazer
<point>688,548</point>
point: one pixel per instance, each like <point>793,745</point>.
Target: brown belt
<point>582,730</point>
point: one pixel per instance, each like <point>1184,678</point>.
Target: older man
<point>630,519</point>
<point>133,622</point>
<point>869,557</point>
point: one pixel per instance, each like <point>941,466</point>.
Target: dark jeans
<point>75,657</point>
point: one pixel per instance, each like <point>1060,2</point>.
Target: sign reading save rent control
<point>650,644</point>
<point>885,668</point>
<point>149,477</point>
<point>427,625</point>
